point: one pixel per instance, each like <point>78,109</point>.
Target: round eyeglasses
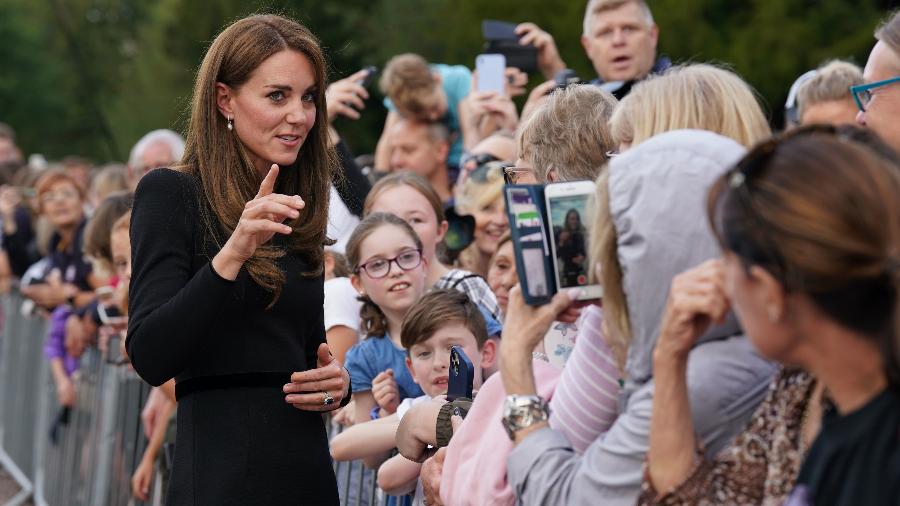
<point>380,267</point>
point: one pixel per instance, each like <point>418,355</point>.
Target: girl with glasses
<point>412,198</point>
<point>390,274</point>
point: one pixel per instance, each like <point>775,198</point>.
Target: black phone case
<point>536,192</point>
<point>462,375</point>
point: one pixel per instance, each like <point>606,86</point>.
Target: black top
<point>21,247</point>
<point>186,321</point>
<point>856,457</point>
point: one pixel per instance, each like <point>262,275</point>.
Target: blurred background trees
<point>88,77</point>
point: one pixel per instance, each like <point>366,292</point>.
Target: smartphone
<point>371,70</point>
<point>571,208</point>
<point>530,241</point>
<point>462,374</point>
<point>490,68</point>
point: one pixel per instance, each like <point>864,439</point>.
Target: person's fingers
<point>323,355</point>
<point>314,386</point>
<point>359,75</point>
<point>265,226</point>
<point>352,99</point>
<point>456,422</point>
<point>523,28</point>
<point>268,183</point>
<point>269,210</point>
<point>318,374</point>
<point>359,91</point>
<point>294,201</point>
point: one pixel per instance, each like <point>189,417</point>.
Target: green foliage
<point>89,77</point>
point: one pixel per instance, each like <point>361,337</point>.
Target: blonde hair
<point>604,250</point>
<point>569,133</point>
<point>597,6</point>
<point>112,178</point>
<point>692,96</point>
<point>831,82</point>
<point>408,81</point>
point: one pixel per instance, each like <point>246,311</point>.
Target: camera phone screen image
<point>531,240</point>
<point>570,217</point>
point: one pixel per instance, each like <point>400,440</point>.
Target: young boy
<point>439,320</point>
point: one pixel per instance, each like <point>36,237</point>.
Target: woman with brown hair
<point>812,270</point>
<point>227,252</point>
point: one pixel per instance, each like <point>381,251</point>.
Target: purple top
<point>55,347</point>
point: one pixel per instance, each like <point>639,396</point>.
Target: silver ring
<point>329,400</point>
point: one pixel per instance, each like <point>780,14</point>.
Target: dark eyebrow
<point>283,87</point>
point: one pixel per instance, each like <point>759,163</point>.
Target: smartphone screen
<point>532,240</point>
<point>490,68</point>
<point>571,212</point>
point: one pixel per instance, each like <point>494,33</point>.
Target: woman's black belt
<point>225,381</point>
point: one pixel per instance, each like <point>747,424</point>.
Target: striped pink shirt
<point>586,400</point>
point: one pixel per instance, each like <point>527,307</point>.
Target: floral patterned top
<point>762,464</point>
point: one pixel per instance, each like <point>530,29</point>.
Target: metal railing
<point>101,443</point>
<point>97,443</point>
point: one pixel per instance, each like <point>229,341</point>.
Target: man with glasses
<point>879,99</point>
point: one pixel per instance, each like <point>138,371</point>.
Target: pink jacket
<point>475,467</point>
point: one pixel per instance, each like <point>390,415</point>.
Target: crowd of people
<point>269,282</point>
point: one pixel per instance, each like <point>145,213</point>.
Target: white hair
<point>170,138</point>
<point>596,6</point>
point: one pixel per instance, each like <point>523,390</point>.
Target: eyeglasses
<point>381,267</point>
<point>862,93</point>
<point>51,196</point>
<point>511,175</point>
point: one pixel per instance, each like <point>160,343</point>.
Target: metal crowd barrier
<point>96,452</point>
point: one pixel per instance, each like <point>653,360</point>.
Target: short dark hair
<point>438,308</point>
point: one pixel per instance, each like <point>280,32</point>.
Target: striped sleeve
<point>585,403</point>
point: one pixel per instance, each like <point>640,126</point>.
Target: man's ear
<point>654,35</point>
<point>224,94</point>
<point>489,353</point>
<point>438,80</point>
<point>409,368</point>
<point>769,293</point>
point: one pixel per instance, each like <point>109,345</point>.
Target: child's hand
<point>385,391</point>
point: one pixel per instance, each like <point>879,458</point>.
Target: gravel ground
<point>9,488</point>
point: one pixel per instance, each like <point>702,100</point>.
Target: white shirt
<point>341,222</point>
<point>341,305</point>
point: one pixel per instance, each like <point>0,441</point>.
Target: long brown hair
<point>373,320</point>
<point>820,213</point>
<point>221,163</point>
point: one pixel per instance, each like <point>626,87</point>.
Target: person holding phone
<point>226,247</point>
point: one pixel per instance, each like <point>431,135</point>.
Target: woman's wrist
<point>226,264</point>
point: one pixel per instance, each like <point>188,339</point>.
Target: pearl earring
<point>230,124</point>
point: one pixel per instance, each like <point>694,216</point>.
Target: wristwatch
<point>523,411</point>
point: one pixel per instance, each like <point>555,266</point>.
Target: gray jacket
<point>658,205</point>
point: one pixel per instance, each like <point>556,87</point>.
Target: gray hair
<point>170,138</point>
<point>597,6</point>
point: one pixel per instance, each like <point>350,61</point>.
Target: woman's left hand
<point>309,390</point>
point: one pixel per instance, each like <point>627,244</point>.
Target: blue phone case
<point>527,213</point>
<point>462,375</point>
